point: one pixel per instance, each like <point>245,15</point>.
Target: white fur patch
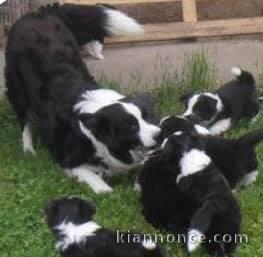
<point>220,126</point>
<point>149,245</point>
<point>137,187</point>
<point>178,133</point>
<point>194,99</point>
<point>75,233</point>
<point>164,119</point>
<point>219,103</point>
<point>94,100</point>
<point>202,130</point>
<point>193,240</point>
<point>249,178</point>
<point>192,162</point>
<point>87,174</point>
<point>236,71</point>
<point>94,48</point>
<point>119,24</point>
<point>190,105</point>
<point>27,139</point>
<point>164,142</point>
<point>148,132</point>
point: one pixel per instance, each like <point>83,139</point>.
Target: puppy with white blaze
<point>76,234</point>
<point>91,132</point>
<point>182,191</point>
<point>90,24</point>
<point>219,110</point>
<point>236,158</point>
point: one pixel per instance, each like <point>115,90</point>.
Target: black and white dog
<point>217,111</point>
<point>90,24</point>
<point>76,234</point>
<point>89,131</point>
<point>235,158</point>
<point>182,191</point>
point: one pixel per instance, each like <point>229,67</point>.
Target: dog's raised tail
<point>243,75</point>
<point>118,23</point>
<point>251,139</point>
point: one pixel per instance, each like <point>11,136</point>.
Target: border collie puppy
<point>219,110</point>
<point>76,234</point>
<point>235,158</point>
<point>90,24</point>
<point>90,131</point>
<point>182,191</point>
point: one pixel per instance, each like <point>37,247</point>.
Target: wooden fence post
<point>189,10</point>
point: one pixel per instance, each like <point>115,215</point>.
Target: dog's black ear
<point>145,102</point>
<point>96,123</point>
<point>185,98</point>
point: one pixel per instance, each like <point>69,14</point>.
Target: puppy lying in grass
<point>183,191</point>
<point>235,158</point>
<point>77,235</point>
<point>218,110</point>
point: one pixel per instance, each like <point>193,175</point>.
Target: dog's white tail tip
<point>236,71</point>
<point>120,24</point>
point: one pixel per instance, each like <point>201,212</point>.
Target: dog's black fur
<point>86,22</point>
<point>239,99</point>
<point>235,158</point>
<point>46,77</point>
<point>91,22</point>
<point>201,201</point>
<point>102,243</point>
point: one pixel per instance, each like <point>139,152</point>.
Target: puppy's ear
<point>185,98</point>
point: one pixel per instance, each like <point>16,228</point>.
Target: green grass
<point>27,183</point>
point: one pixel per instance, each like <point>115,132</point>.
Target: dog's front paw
<point>103,189</point>
<point>29,149</point>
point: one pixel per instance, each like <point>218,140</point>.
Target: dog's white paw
<point>102,189</point>
<point>194,240</point>
<point>29,149</point>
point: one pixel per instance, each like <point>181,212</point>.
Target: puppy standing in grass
<point>235,158</point>
<point>91,132</point>
<point>219,110</point>
<point>77,235</point>
<point>182,191</point>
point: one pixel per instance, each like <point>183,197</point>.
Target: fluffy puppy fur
<point>183,191</point>
<point>235,158</point>
<point>218,110</point>
<point>76,234</point>
<point>90,24</point>
<point>90,131</point>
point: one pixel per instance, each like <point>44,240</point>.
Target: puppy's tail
<point>251,139</point>
<point>243,76</point>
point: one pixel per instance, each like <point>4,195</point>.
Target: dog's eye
<point>134,127</point>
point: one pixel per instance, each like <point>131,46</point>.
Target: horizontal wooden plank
<point>181,30</point>
<point>117,1</point>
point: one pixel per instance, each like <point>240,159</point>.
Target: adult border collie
<point>77,234</point>
<point>235,158</point>
<point>89,131</point>
<point>182,191</point>
<point>90,24</point>
<point>218,110</point>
